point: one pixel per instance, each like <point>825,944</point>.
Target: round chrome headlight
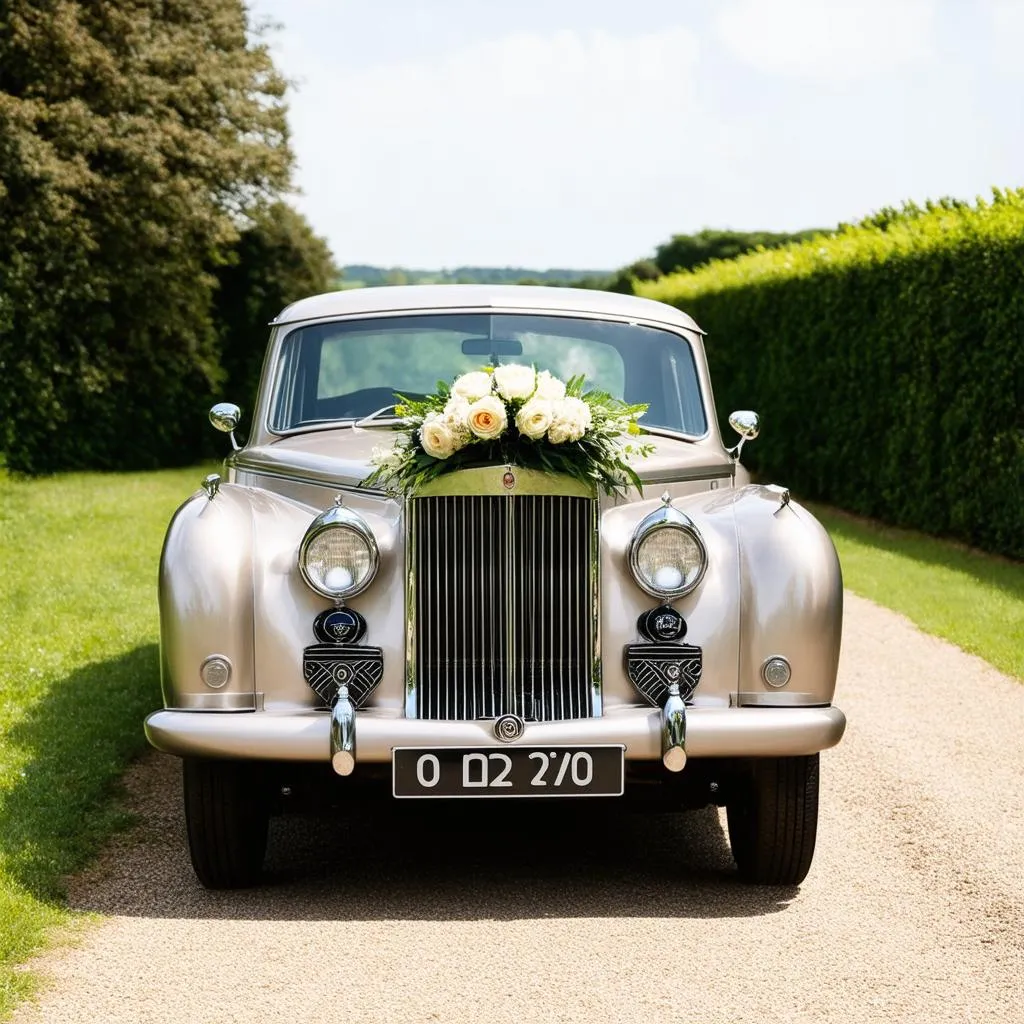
<point>338,556</point>
<point>666,554</point>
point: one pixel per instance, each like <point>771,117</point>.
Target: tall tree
<point>277,260</point>
<point>135,135</point>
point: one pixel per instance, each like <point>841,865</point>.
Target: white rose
<point>534,418</point>
<point>472,386</point>
<point>455,415</point>
<point>559,433</point>
<point>436,438</point>
<point>570,421</point>
<point>549,387</point>
<point>487,418</point>
<point>515,382</point>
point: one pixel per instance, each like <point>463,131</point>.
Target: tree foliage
<point>887,361</point>
<point>275,261</point>
<point>685,252</point>
<point>135,135</point>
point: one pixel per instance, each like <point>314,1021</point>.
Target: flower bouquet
<point>513,415</point>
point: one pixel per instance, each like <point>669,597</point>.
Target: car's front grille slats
<point>502,605</point>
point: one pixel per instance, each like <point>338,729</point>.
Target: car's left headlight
<point>667,555</point>
<point>338,556</point>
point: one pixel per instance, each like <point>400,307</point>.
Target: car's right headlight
<point>338,556</point>
<point>667,555</point>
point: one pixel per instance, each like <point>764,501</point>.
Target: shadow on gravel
<point>393,861</point>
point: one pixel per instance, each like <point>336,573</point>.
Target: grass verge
<point>974,600</point>
<point>78,671</point>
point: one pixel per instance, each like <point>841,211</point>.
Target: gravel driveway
<point>913,911</point>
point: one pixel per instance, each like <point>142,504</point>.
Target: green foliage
<point>685,252</point>
<point>887,361</point>
<point>79,669</point>
<point>133,141</point>
<point>275,261</point>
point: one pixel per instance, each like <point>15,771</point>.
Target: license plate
<point>517,771</point>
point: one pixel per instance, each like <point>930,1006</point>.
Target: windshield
<point>349,369</point>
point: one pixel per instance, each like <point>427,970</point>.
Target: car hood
<point>343,456</point>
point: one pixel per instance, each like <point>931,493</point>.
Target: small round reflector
<point>776,671</point>
<point>215,671</point>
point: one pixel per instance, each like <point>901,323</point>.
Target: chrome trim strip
<point>681,476</point>
<point>411,709</point>
<point>218,702</point>
<point>252,464</point>
<point>757,699</point>
<point>596,678</point>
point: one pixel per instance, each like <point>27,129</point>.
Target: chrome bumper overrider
<point>648,734</point>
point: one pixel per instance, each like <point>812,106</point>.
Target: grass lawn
<point>975,601</point>
<point>78,672</point>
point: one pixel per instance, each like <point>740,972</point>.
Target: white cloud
<point>457,155</point>
<point>828,39</point>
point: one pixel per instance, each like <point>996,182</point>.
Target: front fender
<point>791,598</point>
<point>206,601</point>
<point>230,585</point>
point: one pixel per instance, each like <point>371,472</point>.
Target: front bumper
<point>305,735</point>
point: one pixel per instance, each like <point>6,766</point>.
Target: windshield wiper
<point>371,419</point>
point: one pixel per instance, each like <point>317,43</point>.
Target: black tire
<point>226,815</point>
<point>773,819</point>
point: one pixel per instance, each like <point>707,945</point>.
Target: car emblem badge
<point>663,624</point>
<point>339,626</point>
<point>509,480</point>
<point>509,728</point>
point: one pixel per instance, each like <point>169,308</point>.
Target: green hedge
<point>887,362</point>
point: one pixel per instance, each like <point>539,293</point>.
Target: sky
<point>583,133</point>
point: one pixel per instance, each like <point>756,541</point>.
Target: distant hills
<point>680,252</point>
<point>359,275</point>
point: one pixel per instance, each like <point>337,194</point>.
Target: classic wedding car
<point>497,626</point>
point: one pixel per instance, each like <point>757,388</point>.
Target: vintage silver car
<point>502,632</point>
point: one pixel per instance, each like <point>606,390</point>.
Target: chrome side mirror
<point>225,417</point>
<point>748,425</point>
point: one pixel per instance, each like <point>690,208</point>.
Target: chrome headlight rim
<point>340,518</point>
<point>667,518</point>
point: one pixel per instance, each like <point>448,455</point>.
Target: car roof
<point>407,298</point>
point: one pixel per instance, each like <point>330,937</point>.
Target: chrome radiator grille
<point>503,608</point>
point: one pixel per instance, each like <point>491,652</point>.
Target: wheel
<point>773,819</point>
<point>226,815</point>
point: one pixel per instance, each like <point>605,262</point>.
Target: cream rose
<point>487,418</point>
<point>534,418</point>
<point>436,438</point>
<point>472,386</point>
<point>455,415</point>
<point>514,382</point>
<point>548,387</point>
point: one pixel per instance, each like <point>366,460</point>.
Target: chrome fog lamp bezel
<point>776,660</point>
<point>665,518</point>
<point>339,518</point>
